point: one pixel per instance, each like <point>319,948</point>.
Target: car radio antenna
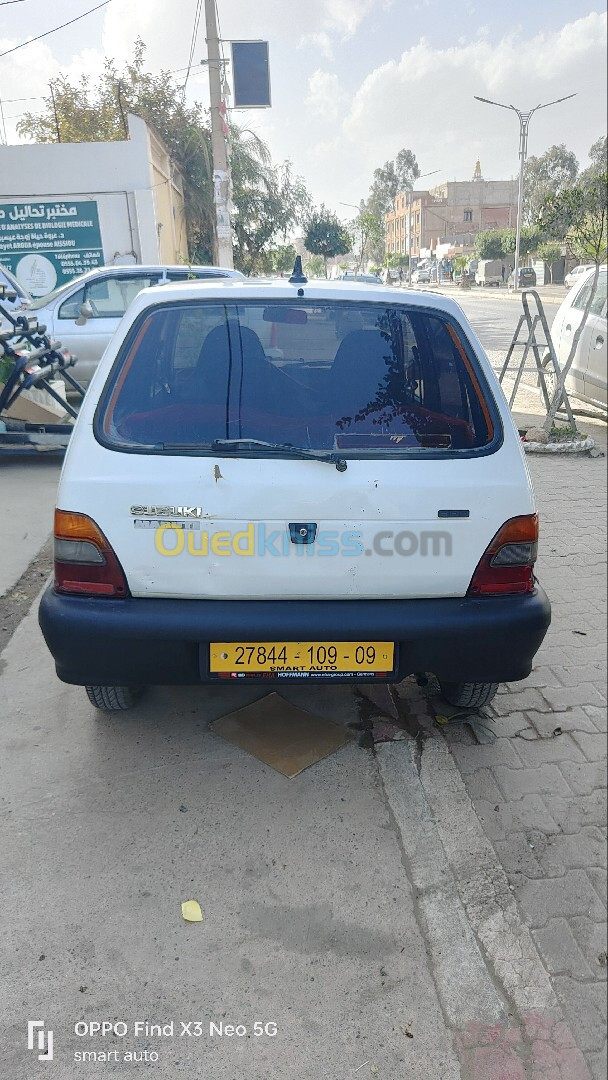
<point>298,277</point>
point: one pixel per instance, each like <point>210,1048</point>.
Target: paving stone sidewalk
<point>539,786</point>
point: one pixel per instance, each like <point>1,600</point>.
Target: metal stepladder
<point>538,348</point>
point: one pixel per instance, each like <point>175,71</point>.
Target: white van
<point>279,481</point>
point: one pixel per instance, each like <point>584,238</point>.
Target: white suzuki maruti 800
<point>286,480</point>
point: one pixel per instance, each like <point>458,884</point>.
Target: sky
<point>353,81</point>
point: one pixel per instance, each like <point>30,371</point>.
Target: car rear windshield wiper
<point>231,445</point>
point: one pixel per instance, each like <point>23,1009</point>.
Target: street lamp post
<point>408,242</point>
<point>524,123</point>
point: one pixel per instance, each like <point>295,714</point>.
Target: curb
<point>495,293</point>
<point>574,446</point>
<point>495,993</point>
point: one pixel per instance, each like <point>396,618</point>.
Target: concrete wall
<point>137,188</point>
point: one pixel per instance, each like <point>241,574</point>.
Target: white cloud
<point>320,41</point>
<point>325,96</point>
<point>425,100</point>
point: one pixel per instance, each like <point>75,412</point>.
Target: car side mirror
<point>86,312</point>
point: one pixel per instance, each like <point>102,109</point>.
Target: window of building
<point>468,215</point>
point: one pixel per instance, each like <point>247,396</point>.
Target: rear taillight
<point>507,565</point>
<point>84,560</point>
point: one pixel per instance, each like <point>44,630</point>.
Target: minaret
<point>477,174</point>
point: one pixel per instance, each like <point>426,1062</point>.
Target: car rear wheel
<point>113,698</point>
<point>468,695</point>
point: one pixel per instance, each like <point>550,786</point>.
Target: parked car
<point>574,276</point>
<point>346,511</point>
<point>22,298</point>
<point>421,276</point>
<point>84,313</point>
<point>368,279</point>
<point>489,272</point>
<point>526,276</point>
<point>587,378</point>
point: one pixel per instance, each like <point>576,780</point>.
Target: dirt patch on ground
<point>15,605</point>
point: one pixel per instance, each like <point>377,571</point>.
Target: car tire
<point>113,698</point>
<point>468,695</point>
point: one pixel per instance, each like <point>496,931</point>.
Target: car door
<point>108,297</point>
<point>570,321</point>
<point>595,376</point>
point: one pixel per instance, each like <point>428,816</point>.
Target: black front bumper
<point>139,642</point>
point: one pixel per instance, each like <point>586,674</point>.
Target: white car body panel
<point>369,497</point>
<point>587,378</point>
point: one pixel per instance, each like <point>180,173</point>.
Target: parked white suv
<point>254,491</point>
<point>84,313</point>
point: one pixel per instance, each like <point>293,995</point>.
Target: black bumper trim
<point>132,642</point>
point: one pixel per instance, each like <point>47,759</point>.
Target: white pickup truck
<point>489,272</point>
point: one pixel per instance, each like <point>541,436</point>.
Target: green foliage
<point>489,244</point>
<point>551,173</point>
<point>389,180</point>
<point>393,177</point>
<point>395,261</point>
<point>578,215</point>
<point>268,199</point>
<point>528,242</point>
<point>549,252</point>
<point>325,235</point>
<point>599,161</point>
<point>282,258</point>
<point>315,267</point>
<point>368,233</point>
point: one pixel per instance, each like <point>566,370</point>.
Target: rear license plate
<point>301,659</point>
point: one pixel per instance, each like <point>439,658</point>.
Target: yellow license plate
<point>301,659</point>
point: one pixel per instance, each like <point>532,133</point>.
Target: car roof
<point>252,289</point>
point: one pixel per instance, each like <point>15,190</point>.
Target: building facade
<point>68,207</point>
<point>452,213</point>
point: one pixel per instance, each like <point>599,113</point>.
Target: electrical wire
<point>197,19</point>
<point>5,3</point>
<point>38,37</point>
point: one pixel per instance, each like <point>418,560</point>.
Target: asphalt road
<point>495,320</point>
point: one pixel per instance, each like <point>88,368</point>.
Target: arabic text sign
<point>47,243</point>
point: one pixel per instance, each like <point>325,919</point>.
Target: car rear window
<point>360,378</point>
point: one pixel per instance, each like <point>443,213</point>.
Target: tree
<point>393,177</point>
<point>325,235</point>
<point>370,236</point>
<point>599,161</point>
<point>315,266</point>
<point>490,244</point>
<point>268,199</point>
<point>98,113</point>
<point>549,174</point>
<point>393,260</point>
<point>389,180</point>
<point>580,215</point>
<point>528,241</point>
<point>549,251</point>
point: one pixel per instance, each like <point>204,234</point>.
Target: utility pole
<point>221,174</point>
